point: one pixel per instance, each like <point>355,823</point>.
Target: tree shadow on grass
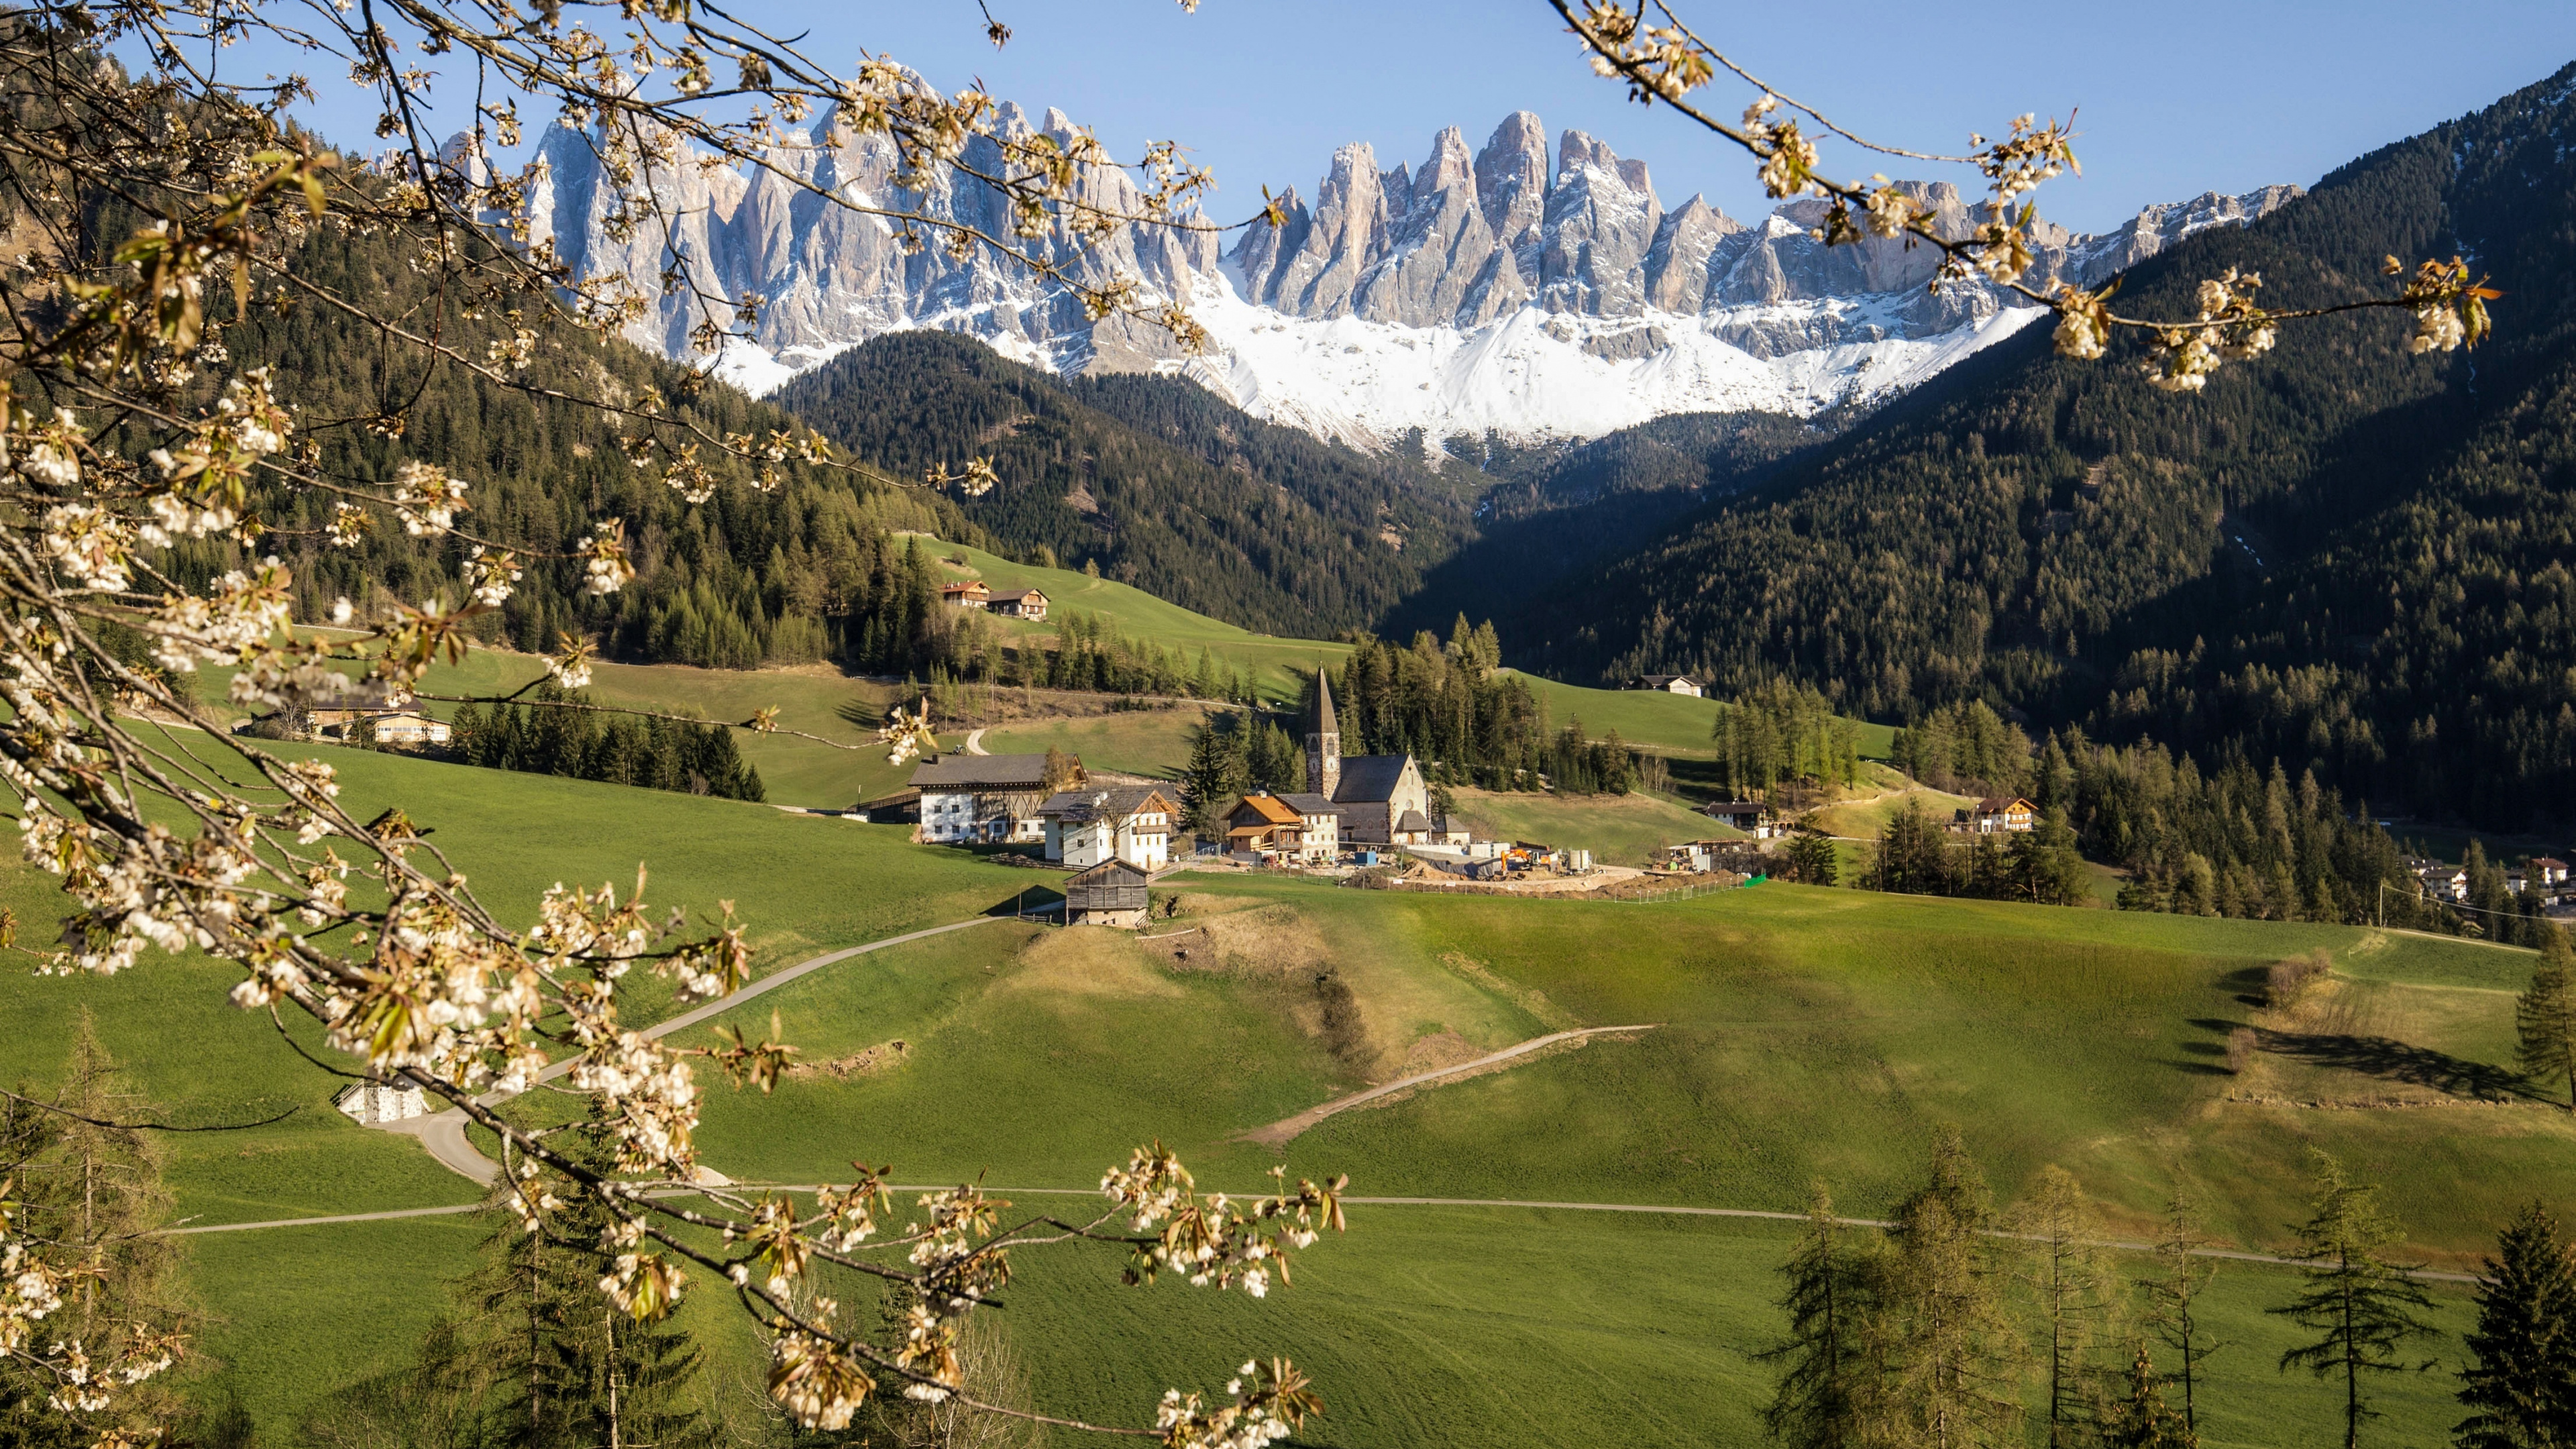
<point>860,713</point>
<point>2397,1061</point>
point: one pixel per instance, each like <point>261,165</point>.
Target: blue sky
<point>2176,98</point>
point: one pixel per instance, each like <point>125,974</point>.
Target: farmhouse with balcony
<point>966,594</point>
<point>1305,828</point>
<point>983,799</point>
<point>1998,815</point>
<point>1132,823</point>
<point>1018,604</point>
<point>1752,817</point>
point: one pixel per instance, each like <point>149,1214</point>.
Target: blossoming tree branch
<point>156,206</point>
<point>1663,59</point>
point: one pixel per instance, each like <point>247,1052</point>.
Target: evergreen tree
<point>2172,1293</point>
<point>2520,1385</point>
<point>571,1370</point>
<point>1952,1383</point>
<point>2140,1418</point>
<point>1824,1385</point>
<point>2071,1282</point>
<point>1209,783</point>
<point>1912,858</point>
<point>2545,1016</point>
<point>2361,1306</point>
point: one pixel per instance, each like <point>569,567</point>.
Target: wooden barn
<point>1111,893</point>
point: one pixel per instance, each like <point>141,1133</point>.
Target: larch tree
<point>1956,1351</point>
<point>2362,1307</point>
<point>2068,1275</point>
<point>1827,1383</point>
<point>2173,1295</point>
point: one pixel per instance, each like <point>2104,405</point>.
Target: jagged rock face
<point>1486,289</point>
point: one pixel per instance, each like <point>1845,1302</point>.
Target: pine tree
<point>2072,1283</point>
<point>2520,1385</point>
<point>1824,1383</point>
<point>2140,1418</point>
<point>2361,1306</point>
<point>2177,1285</point>
<point>2545,1016</point>
<point>572,1370</point>
<point>1209,782</point>
<point>1952,1385</point>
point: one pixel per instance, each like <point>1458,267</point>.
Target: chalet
<point>402,728</point>
<point>1669,684</point>
<point>1111,893</point>
<point>1383,798</point>
<point>968,594</point>
<point>1999,815</point>
<point>983,799</point>
<point>1018,604</point>
<point>2444,882</point>
<point>1750,816</point>
<point>2548,872</point>
<point>1302,827</point>
<point>1132,823</point>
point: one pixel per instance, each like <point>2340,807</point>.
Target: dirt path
<point>975,743</point>
<point>1279,1134</point>
<point>2236,1255</point>
<point>443,1133</point>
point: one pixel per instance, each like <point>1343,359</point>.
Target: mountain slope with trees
<point>2341,554</point>
<point>1155,480</point>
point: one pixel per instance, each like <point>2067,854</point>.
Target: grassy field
<point>1617,829</point>
<point>813,698</point>
<point>1152,742</point>
<point>1803,1034</point>
<point>1864,819</point>
<point>1279,666</point>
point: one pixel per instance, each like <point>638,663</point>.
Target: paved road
<point>1282,1132</point>
<point>443,1133</point>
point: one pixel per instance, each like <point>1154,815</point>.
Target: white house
<point>1088,826</point>
<point>394,1101</point>
<point>1018,603</point>
<point>983,799</point>
<point>1669,684</point>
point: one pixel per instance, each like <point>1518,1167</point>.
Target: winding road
<point>443,1133</point>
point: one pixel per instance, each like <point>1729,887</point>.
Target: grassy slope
<point>1617,829</point>
<point>1278,665</point>
<point>1134,742</point>
<point>1810,1034</point>
<point>795,772</point>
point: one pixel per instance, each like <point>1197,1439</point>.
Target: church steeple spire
<point>1324,742</point>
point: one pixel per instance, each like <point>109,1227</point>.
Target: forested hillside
<point>807,570</point>
<point>1159,482</point>
<point>2345,555</point>
<point>1551,511</point>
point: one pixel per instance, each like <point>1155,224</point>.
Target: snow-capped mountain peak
<point>1481,291</point>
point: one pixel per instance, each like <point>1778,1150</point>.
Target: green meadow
<point>1797,1035</point>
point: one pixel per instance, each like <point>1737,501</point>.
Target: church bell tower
<point>1324,743</point>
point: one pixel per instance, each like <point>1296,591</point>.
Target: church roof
<point>1325,724</point>
<point>1370,779</point>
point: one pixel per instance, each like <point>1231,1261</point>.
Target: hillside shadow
<point>860,713</point>
<point>2396,1061</point>
<point>2250,986</point>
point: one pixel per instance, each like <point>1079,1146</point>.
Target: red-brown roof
<point>1270,808</point>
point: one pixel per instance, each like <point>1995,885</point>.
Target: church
<point>1382,798</point>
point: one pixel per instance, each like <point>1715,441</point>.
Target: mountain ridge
<point>1487,291</point>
